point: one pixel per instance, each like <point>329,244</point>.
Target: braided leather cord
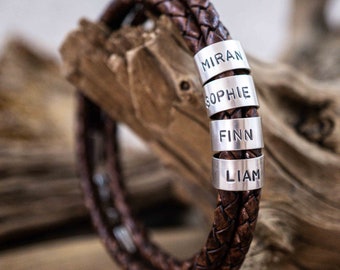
<point>236,212</point>
<point>88,114</point>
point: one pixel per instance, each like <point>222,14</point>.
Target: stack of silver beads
<point>231,134</point>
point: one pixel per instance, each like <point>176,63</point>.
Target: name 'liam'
<point>243,176</point>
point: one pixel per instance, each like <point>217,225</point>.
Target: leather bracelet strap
<point>236,212</point>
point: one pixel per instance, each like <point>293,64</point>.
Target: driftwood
<point>299,225</point>
<point>87,253</point>
<point>36,155</point>
<point>39,189</point>
<point>299,218</point>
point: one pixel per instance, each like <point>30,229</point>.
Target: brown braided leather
<point>87,116</point>
<point>236,212</point>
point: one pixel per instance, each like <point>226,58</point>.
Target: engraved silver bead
<point>238,174</point>
<point>220,57</point>
<point>229,93</point>
<point>236,134</point>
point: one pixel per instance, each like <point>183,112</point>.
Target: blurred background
<point>45,23</point>
<point>43,223</point>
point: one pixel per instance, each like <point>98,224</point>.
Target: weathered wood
<point>39,188</point>
<point>299,222</point>
<point>36,153</point>
<point>300,216</point>
<point>174,137</point>
<point>86,252</point>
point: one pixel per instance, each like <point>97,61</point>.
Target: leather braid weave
<point>236,212</point>
<point>86,110</point>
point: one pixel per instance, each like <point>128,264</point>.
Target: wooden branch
<point>39,188</point>
<point>36,153</point>
<point>137,80</point>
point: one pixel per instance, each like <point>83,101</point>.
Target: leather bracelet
<point>98,154</point>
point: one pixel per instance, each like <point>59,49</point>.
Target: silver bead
<point>238,175</point>
<point>236,134</point>
<point>220,57</point>
<point>229,93</point>
<point>123,236</point>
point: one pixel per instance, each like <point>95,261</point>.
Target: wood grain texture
<point>37,161</point>
<point>87,253</point>
<point>39,188</point>
<point>299,220</point>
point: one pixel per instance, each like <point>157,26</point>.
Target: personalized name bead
<point>220,57</point>
<point>229,93</point>
<point>238,174</point>
<point>236,134</point>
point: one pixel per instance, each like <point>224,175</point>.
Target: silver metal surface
<point>238,175</point>
<point>220,57</point>
<point>123,236</point>
<point>230,92</point>
<point>101,179</point>
<point>236,134</point>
